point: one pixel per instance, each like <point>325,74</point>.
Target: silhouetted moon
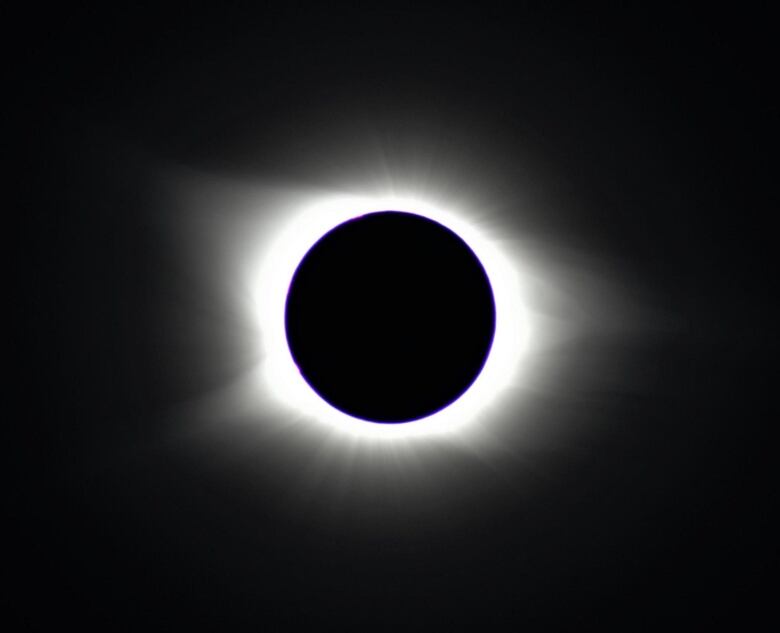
<point>390,317</point>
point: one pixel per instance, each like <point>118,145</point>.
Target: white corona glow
<point>271,277</point>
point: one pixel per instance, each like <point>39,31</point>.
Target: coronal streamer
<point>246,239</point>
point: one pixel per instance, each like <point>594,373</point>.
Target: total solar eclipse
<point>390,317</point>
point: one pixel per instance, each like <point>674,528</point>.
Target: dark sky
<point>652,129</point>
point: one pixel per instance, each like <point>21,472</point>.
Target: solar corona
<point>387,317</point>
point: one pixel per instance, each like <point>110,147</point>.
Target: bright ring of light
<point>281,376</point>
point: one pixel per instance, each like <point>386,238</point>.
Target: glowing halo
<point>281,377</point>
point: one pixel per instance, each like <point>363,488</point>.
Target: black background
<point>654,126</point>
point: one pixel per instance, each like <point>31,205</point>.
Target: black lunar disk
<point>390,317</point>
